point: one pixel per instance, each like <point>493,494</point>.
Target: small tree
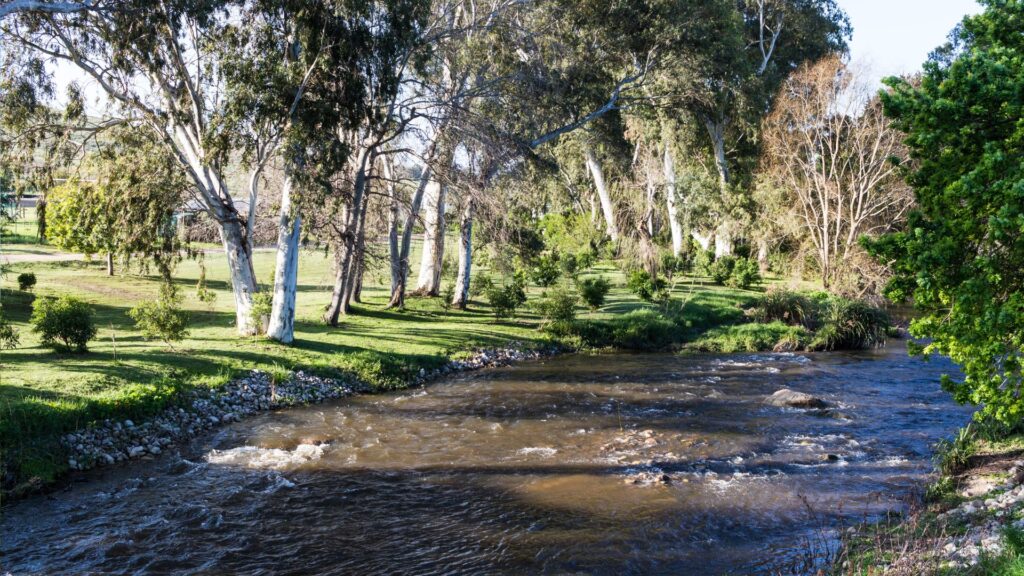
<point>546,270</point>
<point>745,274</point>
<point>26,281</point>
<point>64,323</point>
<point>594,290</point>
<point>9,338</point>
<point>644,285</point>
<point>162,319</point>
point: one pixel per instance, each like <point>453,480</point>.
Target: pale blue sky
<point>895,36</point>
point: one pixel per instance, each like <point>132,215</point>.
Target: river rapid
<point>608,464</point>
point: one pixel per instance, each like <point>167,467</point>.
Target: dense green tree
<point>962,256</point>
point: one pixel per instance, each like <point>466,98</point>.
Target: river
<point>608,464</point>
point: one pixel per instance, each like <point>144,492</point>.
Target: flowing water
<point>606,464</point>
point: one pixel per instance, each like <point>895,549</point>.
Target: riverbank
<point>969,522</point>
<point>45,395</point>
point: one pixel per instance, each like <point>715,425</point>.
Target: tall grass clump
<point>844,324</point>
<point>790,308</point>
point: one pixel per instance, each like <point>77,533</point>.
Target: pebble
<point>108,442</point>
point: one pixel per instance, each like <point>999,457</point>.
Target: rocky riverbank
<point>109,442</point>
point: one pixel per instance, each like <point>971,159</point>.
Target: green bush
<point>163,318</point>
<point>784,306</point>
<point>594,291</point>
<point>262,306</point>
<point>569,264</point>
<point>545,270</point>
<point>721,269</point>
<point>702,261</point>
<point>637,330</point>
<point>672,265</point>
<point>9,338</point>
<point>26,281</point>
<point>643,285</point>
<point>745,274</point>
<point>505,300</point>
<point>952,456</point>
<point>480,284</point>
<point>585,260</point>
<point>64,323</point>
<point>844,324</point>
<point>559,309</point>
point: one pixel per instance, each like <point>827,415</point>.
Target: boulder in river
<point>793,399</point>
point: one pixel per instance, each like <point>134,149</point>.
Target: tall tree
<point>961,258</point>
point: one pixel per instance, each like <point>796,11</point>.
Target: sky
<point>893,37</point>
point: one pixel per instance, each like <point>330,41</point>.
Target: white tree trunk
<point>395,255</point>
<point>429,282</point>
<point>703,240</point>
<point>723,242</point>
<point>716,129</point>
<point>286,271</point>
<point>461,297</point>
<point>254,192</point>
<point>670,200</point>
<point>597,173</point>
<point>243,279</point>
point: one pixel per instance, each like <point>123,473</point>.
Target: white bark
<point>597,173</point>
<point>286,271</point>
<point>431,259</point>
<point>703,240</point>
<point>723,242</point>
<point>675,226</point>
<point>243,279</point>
<point>461,297</point>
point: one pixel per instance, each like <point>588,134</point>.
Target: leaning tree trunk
<point>348,240</point>
<point>597,173</point>
<point>462,281</point>
<point>354,277</point>
<point>286,270</point>
<point>675,227</point>
<point>432,258</point>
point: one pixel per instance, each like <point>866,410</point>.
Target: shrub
<point>545,271</point>
<point>559,309</point>
<point>721,269</point>
<point>585,260</point>
<point>505,300</point>
<point>784,306</point>
<point>672,265</point>
<point>594,291</point>
<point>262,306</point>
<point>643,285</point>
<point>702,261</point>
<point>447,295</point>
<point>26,281</point>
<point>480,284</point>
<point>162,319</point>
<point>845,324</point>
<point>9,338</point>
<point>570,265</point>
<point>63,323</point>
<point>745,273</point>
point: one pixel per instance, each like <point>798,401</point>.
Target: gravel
<point>109,442</point>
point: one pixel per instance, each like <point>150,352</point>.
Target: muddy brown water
<point>611,464</point>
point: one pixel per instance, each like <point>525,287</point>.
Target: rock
<point>791,399</point>
<point>136,451</point>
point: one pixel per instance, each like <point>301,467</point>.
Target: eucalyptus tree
<point>154,65</point>
<point>730,94</point>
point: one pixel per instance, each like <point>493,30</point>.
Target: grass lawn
<point>45,393</point>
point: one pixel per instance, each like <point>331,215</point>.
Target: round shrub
<point>64,323</point>
<point>480,284</point>
<point>559,308</point>
<point>26,281</point>
<point>545,271</point>
<point>162,319</point>
<point>594,291</point>
<point>745,274</point>
<point>505,300</point>
<point>643,285</point>
<point>721,269</point>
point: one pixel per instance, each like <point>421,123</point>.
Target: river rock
<point>791,399</point>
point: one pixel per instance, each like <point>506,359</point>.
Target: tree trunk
<point>398,291</point>
<point>723,242</point>
<point>597,173</point>
<point>355,275</point>
<point>243,279</point>
<point>762,255</point>
<point>703,240</point>
<point>110,263</point>
<point>674,225</point>
<point>348,240</point>
<point>394,254</point>
<point>461,297</point>
<point>716,129</point>
<point>286,270</point>
<point>432,258</point>
<point>250,219</point>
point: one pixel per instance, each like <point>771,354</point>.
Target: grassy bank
<point>969,522</point>
<point>45,393</point>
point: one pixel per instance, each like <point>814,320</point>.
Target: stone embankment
<point>109,442</point>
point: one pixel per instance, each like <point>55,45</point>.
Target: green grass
<point>45,393</point>
<point>752,338</point>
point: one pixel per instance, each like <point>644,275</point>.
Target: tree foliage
<point>962,256</point>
